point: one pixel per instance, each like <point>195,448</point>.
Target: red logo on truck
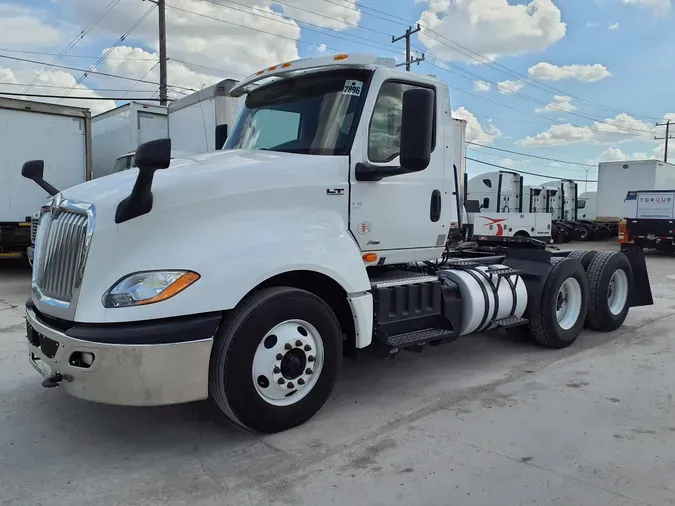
<point>497,222</point>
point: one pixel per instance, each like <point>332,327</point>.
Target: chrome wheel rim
<point>568,303</point>
<point>288,362</point>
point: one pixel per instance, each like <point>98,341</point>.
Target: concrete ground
<point>484,421</point>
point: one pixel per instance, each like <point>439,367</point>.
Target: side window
<point>581,204</point>
<point>486,203</point>
<point>384,134</point>
<point>487,183</point>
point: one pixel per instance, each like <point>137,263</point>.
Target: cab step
<point>418,337</point>
<point>510,322</point>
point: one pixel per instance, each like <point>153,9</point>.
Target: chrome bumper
<point>130,375</point>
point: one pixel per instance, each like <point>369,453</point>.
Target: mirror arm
<point>364,171</point>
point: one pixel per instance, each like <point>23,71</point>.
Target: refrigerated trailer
<point>123,129</point>
<point>61,135</point>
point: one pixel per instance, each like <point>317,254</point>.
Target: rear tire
<point>584,257</point>
<point>564,305</point>
<point>610,279</point>
<point>247,378</point>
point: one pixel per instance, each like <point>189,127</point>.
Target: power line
<point>96,72</point>
<point>509,169</point>
<point>547,166</point>
<point>110,49</point>
<point>72,43</point>
<point>90,57</point>
<point>75,98</point>
<point>477,56</point>
<point>226,71</point>
<point>532,156</point>
<point>68,87</point>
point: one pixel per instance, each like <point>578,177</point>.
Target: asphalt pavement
<point>487,420</point>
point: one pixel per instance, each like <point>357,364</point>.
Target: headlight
<point>148,287</point>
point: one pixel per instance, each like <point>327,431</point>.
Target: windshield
<point>121,164</point>
<point>315,114</point>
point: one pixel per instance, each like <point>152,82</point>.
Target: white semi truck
<point>498,207</point>
<point>324,222</point>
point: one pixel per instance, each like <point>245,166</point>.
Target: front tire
<point>564,305</point>
<point>610,278</point>
<point>275,360</point>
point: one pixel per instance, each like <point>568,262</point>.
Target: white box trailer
<point>616,179</point>
<point>121,130</point>
<point>59,135</point>
<point>200,122</point>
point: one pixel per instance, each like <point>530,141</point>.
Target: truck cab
<point>323,224</point>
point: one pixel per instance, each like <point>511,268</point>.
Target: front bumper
<point>140,371</point>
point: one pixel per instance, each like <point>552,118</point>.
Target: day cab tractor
<point>322,229</point>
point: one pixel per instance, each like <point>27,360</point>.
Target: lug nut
<point>291,386</point>
<point>281,381</point>
<point>288,346</point>
<point>307,347</point>
<point>311,358</point>
<point>308,371</point>
<point>277,370</point>
<point>279,356</point>
<point>301,381</point>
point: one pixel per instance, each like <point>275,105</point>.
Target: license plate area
<point>48,346</point>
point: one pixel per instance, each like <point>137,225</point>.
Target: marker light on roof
<point>273,67</point>
<point>339,57</point>
<point>286,65</point>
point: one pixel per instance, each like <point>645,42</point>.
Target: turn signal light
<point>369,257</point>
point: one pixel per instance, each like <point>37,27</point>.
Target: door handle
<point>435,208</point>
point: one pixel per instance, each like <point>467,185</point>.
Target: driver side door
<point>401,212</point>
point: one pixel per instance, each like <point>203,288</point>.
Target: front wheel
<point>275,361</point>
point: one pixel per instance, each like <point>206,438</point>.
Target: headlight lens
<point>148,287</point>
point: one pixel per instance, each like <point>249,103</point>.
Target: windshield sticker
<point>352,88</point>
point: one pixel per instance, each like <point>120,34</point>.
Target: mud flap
<point>641,293</point>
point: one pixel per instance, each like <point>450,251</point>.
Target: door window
<point>384,135</point>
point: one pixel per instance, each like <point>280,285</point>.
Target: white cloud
<point>506,162</point>
<point>23,27</point>
<point>613,26</point>
<point>616,155</point>
<point>509,87</point>
<point>660,8</point>
<point>53,82</point>
<point>492,28</point>
<point>321,48</point>
<point>481,86</point>
<point>474,131</point>
<point>621,128</point>
<point>337,14</point>
<point>585,73</point>
<point>560,103</point>
<point>669,116</point>
<point>590,24</point>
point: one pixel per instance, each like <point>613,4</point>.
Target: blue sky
<point>574,80</point>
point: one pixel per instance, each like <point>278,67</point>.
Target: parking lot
<point>486,420</point>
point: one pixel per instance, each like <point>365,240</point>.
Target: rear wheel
<point>610,278</point>
<point>564,305</point>
<point>584,257</point>
<point>275,362</point>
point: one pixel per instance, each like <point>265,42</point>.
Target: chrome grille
<point>60,251</point>
<point>33,228</point>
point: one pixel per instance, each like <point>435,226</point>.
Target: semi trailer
<point>649,220</point>
<point>60,134</point>
<point>332,202</point>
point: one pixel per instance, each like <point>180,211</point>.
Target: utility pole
<point>406,36</point>
<point>161,6</point>
<point>668,136</point>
